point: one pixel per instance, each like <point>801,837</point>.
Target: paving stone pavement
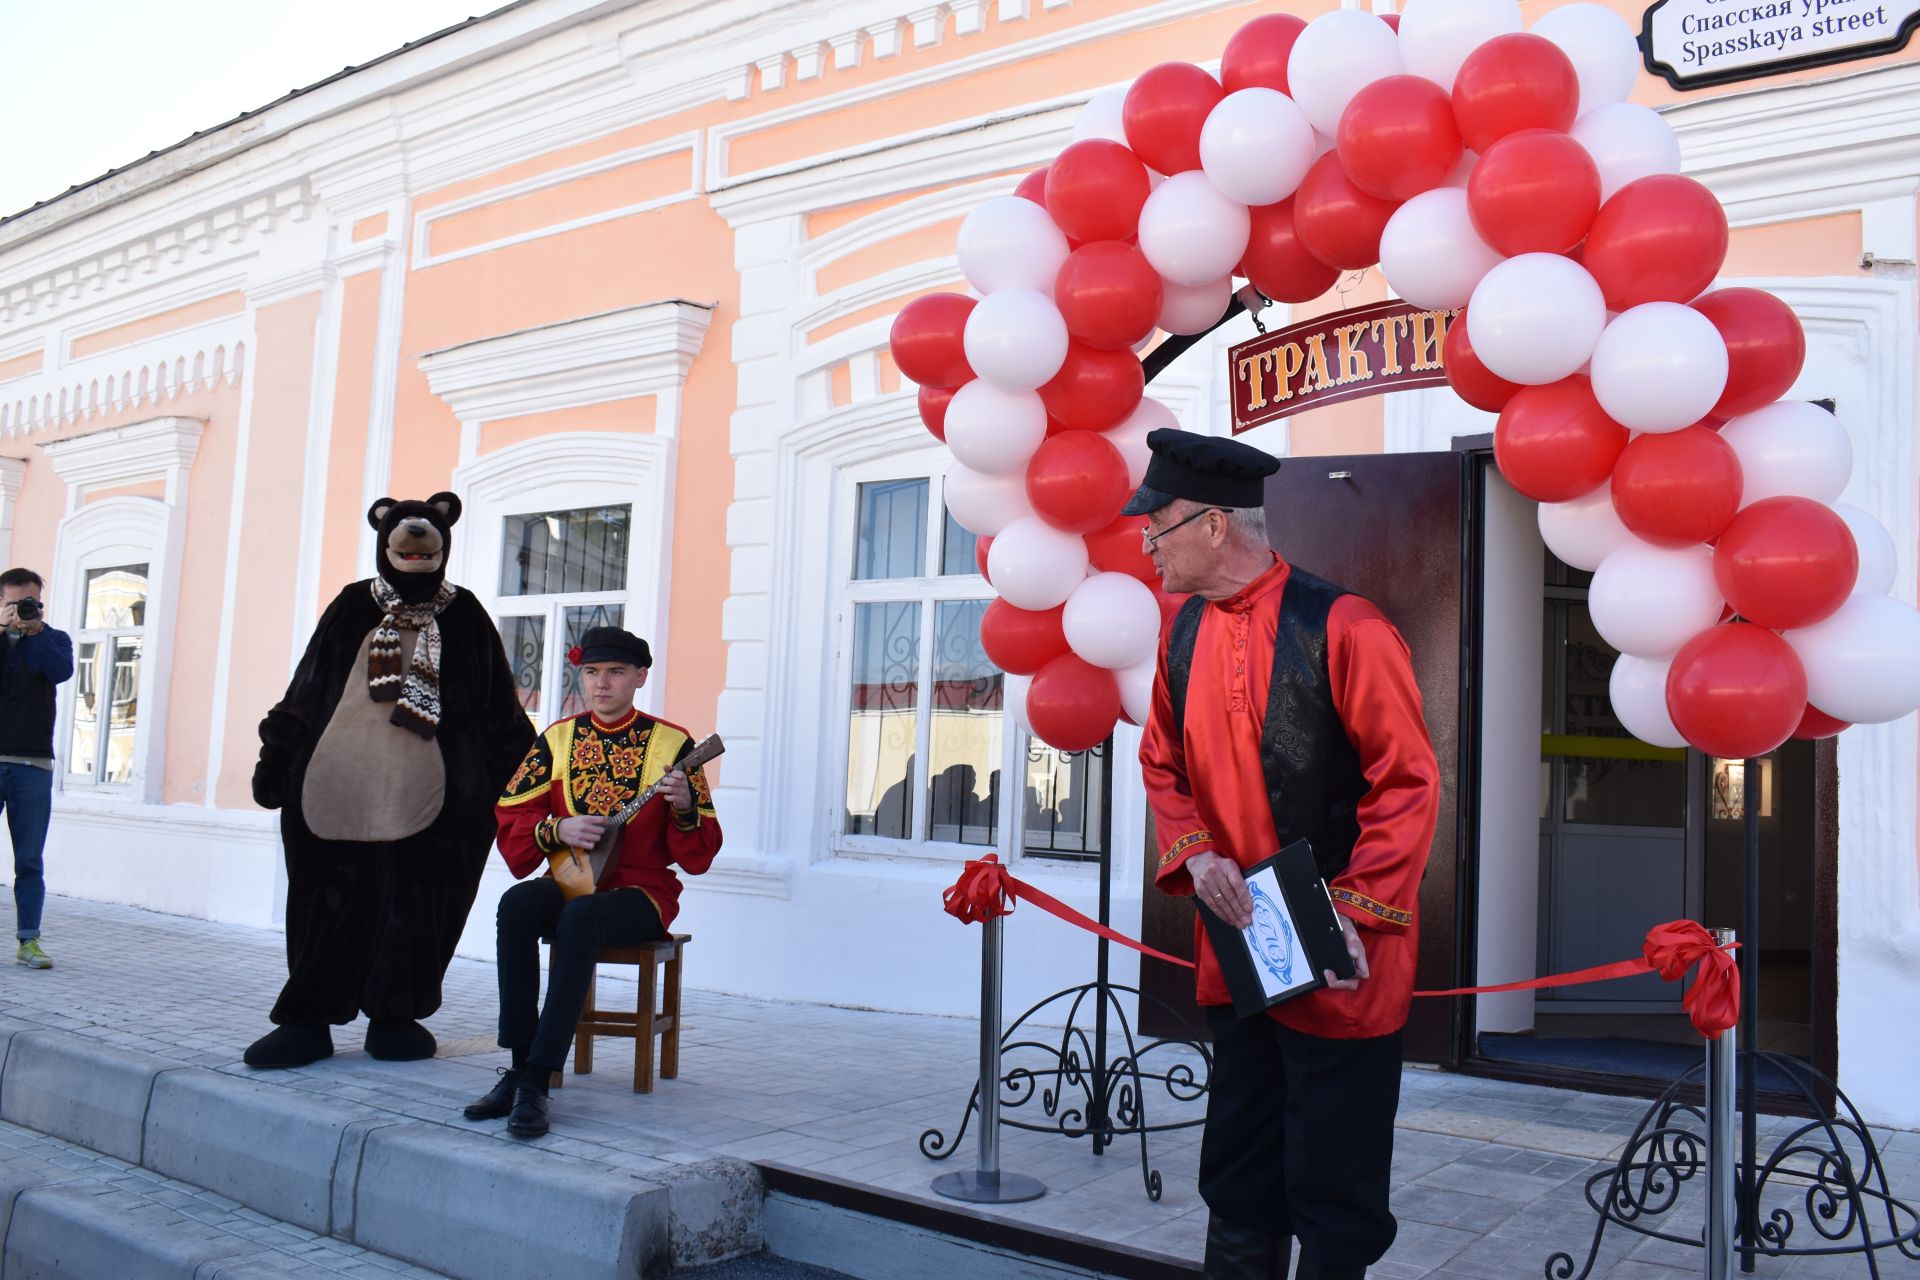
<point>1488,1176</point>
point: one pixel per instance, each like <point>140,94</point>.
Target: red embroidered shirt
<point>1208,792</point>
<point>581,766</point>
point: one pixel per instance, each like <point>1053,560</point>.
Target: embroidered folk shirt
<point>1208,792</point>
<point>581,766</point>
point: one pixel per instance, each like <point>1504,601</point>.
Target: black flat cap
<point>1213,470</point>
<point>611,644</point>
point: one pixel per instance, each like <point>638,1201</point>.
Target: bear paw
<point>294,1045</point>
<point>399,1040</point>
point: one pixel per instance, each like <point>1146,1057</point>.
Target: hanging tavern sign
<point>1389,346</point>
<point>1704,42</point>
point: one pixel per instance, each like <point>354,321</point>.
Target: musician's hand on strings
<point>1218,883</point>
<point>1357,950</point>
<point>582,832</point>
<point>678,791</point>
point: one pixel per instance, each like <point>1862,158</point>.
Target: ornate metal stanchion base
<point>1107,1101</point>
<point>1830,1166</point>
<point>976,1188</point>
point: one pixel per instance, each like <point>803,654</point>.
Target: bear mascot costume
<point>385,758</point>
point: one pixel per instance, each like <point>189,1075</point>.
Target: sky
<point>92,85</point>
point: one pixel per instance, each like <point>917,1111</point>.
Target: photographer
<point>37,658</point>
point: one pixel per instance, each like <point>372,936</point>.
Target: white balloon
<point>1034,565</point>
<point>1879,559</point>
<point>1016,339</point>
<point>1190,232</point>
<point>1431,254</point>
<point>1648,601</point>
<point>1130,437</point>
<point>1659,367</point>
<point>1627,142</point>
<point>1111,620</point>
<point>1101,117</point>
<point>1339,54</point>
<point>1194,308</point>
<point>1136,690</point>
<point>1437,35</point>
<point>1585,531</point>
<point>1009,242</point>
<point>985,504</point>
<point>1791,448</point>
<point>1256,146</point>
<point>995,431</point>
<point>1533,319</point>
<point>1604,49</point>
<point>1013,699</point>
<point>1863,662</point>
<point>1638,690</point>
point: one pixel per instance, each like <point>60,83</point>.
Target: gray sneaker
<point>32,956</point>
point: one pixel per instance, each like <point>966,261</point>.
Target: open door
<point>1392,528</point>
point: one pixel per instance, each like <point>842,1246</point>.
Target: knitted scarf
<point>418,692</point>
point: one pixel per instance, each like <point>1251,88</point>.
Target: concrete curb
<point>80,1090</point>
<point>73,1233</point>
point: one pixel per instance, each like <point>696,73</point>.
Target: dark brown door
<point>1392,528</point>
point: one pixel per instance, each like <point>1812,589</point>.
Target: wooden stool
<point>642,1025</point>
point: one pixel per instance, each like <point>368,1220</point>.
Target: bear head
<point>413,541</point>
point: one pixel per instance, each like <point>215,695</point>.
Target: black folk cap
<point>611,644</point>
<point>1213,470</point>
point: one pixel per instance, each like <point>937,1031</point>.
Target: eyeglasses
<point>1151,541</point>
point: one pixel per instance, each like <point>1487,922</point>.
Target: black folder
<point>1291,943</point>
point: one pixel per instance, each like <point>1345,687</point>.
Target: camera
<point>27,610</point>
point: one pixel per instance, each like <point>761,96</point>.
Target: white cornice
<point>157,449</point>
<point>13,473</point>
<point>616,355</point>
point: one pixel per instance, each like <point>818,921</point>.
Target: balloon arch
<point>1480,166</point>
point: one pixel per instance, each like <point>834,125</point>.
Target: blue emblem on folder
<point>1272,935</point>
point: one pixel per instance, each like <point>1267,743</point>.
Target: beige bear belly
<point>369,779</point>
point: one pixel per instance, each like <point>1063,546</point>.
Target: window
<point>928,751</point>
<point>561,574</point>
<point>106,657</point>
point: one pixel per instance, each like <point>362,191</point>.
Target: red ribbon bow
<point>981,892</point>
<point>1713,1003</point>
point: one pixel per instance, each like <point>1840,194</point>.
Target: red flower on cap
<point>574,655</point>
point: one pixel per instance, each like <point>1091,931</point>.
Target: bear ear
<point>449,505</point>
<point>378,511</point>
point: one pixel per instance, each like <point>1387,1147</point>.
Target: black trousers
<point>1299,1136</point>
<point>536,909</point>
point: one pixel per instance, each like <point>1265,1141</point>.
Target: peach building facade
<point>621,276</point>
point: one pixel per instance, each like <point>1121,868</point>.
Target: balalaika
<point>580,871</point>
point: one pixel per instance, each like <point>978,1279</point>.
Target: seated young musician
<point>578,772</point>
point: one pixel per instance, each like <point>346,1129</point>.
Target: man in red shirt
<point>578,772</point>
<point>1285,708</point>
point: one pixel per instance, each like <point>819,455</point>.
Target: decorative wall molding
<point>160,449</point>
<point>150,373</point>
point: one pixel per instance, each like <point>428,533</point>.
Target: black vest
<point>1314,780</point>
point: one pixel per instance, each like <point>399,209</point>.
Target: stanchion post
<point>1721,1055</point>
<point>985,1183</point>
<point>1749,1216</point>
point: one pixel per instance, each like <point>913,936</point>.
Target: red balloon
<point>1277,263</point>
<point>1022,640</point>
<point>1472,381</point>
<point>1392,20</point>
<point>1677,488</point>
<point>1077,481</point>
<point>1535,191</point>
<point>1117,549</point>
<point>928,340</point>
<point>1736,691</point>
<point>1095,189</point>
<point>1397,138</point>
<point>1510,83</point>
<point>1339,223</point>
<point>1765,347</point>
<point>1034,186</point>
<point>1256,56</point>
<point>1164,111</point>
<point>981,545</point>
<point>1817,724</point>
<point>1660,239</point>
<point>933,409</point>
<point>1786,563</point>
<point>1109,295</point>
<point>1094,389</point>
<point>1073,704</point>
<point>1554,443</point>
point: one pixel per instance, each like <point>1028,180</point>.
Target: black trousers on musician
<point>536,909</point>
<point>1299,1137</point>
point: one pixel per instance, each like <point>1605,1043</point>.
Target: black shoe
<point>529,1117</point>
<point>497,1100</point>
<point>399,1040</point>
<point>1241,1253</point>
<point>294,1045</point>
<point>1311,1270</point>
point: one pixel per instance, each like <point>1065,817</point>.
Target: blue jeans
<point>26,793</point>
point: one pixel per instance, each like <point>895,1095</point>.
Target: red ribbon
<point>986,890</point>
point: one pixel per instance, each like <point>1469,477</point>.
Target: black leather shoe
<point>295,1045</point>
<point>1241,1253</point>
<point>498,1100</point>
<point>529,1117</point>
<point>1311,1270</point>
<point>399,1040</point>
